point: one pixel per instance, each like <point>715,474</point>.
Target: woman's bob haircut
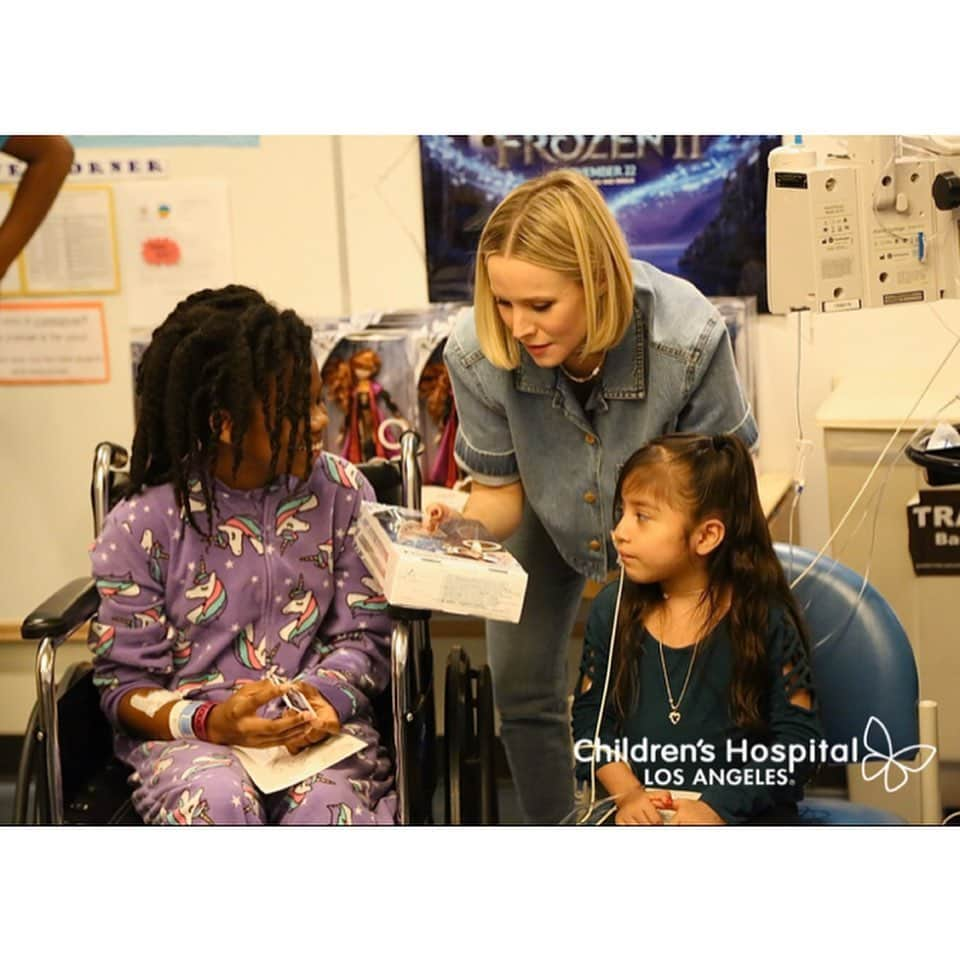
<point>559,222</point>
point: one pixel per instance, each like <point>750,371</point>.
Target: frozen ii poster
<point>691,205</point>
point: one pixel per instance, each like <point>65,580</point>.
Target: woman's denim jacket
<point>672,371</point>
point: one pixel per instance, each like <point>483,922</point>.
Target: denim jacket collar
<point>623,376</point>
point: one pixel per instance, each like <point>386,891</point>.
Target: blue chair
<point>865,676</point>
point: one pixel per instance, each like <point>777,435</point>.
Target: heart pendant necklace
<point>674,714</point>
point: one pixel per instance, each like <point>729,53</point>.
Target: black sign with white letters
<point>934,527</point>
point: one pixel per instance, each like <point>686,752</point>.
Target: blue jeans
<point>528,661</point>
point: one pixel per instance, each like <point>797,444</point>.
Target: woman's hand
<point>641,807</point>
<point>694,812</point>
<point>235,722</point>
<point>322,725</point>
<point>438,513</point>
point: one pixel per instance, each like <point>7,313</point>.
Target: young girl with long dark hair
<point>708,689</point>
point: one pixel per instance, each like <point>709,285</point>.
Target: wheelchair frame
<point>469,754</point>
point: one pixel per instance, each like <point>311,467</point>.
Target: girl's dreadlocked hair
<point>215,355</point>
<point>711,477</point>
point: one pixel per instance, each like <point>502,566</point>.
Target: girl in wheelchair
<point>235,611</point>
<point>707,687</point>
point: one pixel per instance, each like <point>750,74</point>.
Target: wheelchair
<point>69,775</point>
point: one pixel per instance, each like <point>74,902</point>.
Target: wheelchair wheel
<point>486,741</point>
<point>471,795</point>
<point>457,727</point>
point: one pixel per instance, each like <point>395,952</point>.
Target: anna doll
<point>436,392</point>
<point>353,387</point>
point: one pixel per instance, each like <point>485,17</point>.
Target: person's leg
<point>528,661</point>
<point>190,783</point>
<point>358,790</point>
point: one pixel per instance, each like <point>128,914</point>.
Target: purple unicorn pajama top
<point>276,590</point>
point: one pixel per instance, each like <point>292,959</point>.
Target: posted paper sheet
<point>74,249</point>
<point>53,343</point>
<point>177,239</point>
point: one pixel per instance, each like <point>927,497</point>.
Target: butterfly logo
<point>895,772</point>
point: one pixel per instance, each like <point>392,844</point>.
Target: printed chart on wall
<point>74,251</point>
<point>57,342</point>
<point>691,205</point>
<point>176,239</point>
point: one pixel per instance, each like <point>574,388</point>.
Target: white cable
<point>603,702</point>
<point>876,465</point>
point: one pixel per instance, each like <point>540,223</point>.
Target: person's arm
<point>234,722</point>
<point>133,650</point>
<point>793,722</point>
<point>483,448</point>
<point>48,162</point>
<point>499,509</point>
<point>716,403</point>
<point>355,633</point>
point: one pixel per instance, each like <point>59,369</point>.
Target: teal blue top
<point>740,775</point>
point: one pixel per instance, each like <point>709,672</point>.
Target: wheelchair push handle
<point>109,460</point>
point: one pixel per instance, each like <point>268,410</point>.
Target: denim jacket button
<point>590,497</point>
<point>589,438</point>
<point>595,544</point>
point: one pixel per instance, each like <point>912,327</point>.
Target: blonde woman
<point>572,358</point>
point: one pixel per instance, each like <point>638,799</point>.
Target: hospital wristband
<point>199,720</point>
<point>181,719</point>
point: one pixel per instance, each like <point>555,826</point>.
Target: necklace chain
<point>589,376</point>
<point>674,714</point>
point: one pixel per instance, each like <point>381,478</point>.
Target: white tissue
<point>945,435</point>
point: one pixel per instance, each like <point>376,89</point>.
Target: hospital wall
<point>330,225</point>
<point>322,224</point>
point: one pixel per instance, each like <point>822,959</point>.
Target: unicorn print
<point>250,801</point>
<point>289,525</point>
<point>340,815</point>
<point>341,472</point>
<point>323,558</point>
<point>198,681</point>
<point>159,768</point>
<point>362,789</point>
<point>181,646</point>
<point>122,586</point>
<point>298,793</point>
<point>149,617</point>
<point>208,588</point>
<point>190,807</point>
<point>102,638</point>
<point>237,531</point>
<point>252,655</point>
<point>195,497</point>
<point>156,555</point>
<point>372,602</point>
<point>304,605</point>
<point>207,763</point>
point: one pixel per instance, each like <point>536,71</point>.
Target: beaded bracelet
<point>199,720</point>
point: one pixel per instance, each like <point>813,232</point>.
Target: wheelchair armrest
<point>61,614</point>
<point>407,614</point>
